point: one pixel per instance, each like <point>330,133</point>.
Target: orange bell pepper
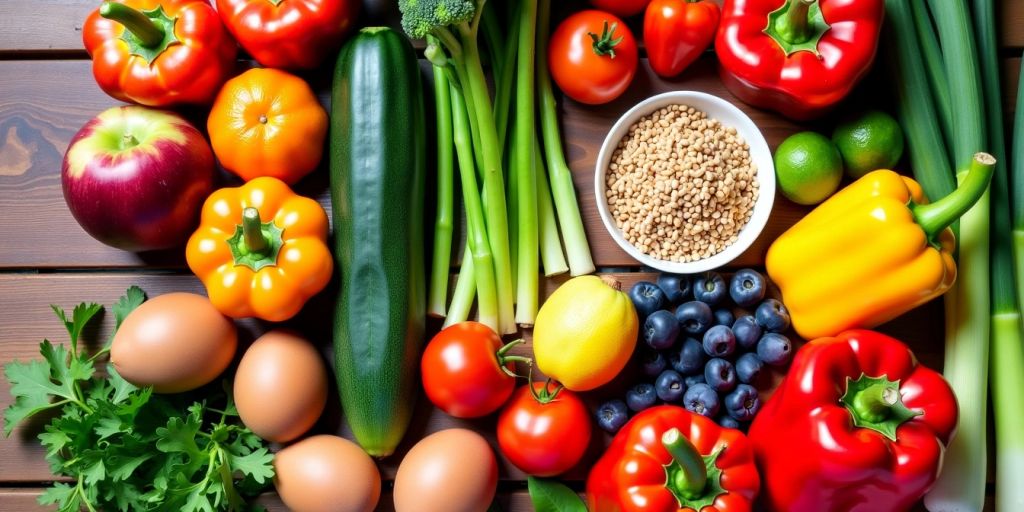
<point>266,122</point>
<point>255,268</point>
<point>159,52</point>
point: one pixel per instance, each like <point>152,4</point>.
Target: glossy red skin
<point>544,439</point>
<point>460,371</point>
<point>190,71</point>
<point>676,32</point>
<point>801,86</point>
<point>623,8</point>
<point>582,74</point>
<point>813,457</point>
<point>295,34</point>
<point>146,200</point>
<point>630,476</point>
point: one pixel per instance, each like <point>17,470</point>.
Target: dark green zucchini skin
<point>377,171</point>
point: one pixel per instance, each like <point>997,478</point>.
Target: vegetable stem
<point>934,67</point>
<point>503,89</point>
<point>465,291</point>
<point>252,230</point>
<point>937,216</point>
<point>527,275</point>
<point>1017,188</point>
<point>795,25</point>
<point>444,220</point>
<point>692,475</point>
<point>134,21</point>
<point>551,256</point>
<point>563,191</point>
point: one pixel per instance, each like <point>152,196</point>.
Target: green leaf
<point>32,391</point>
<point>126,465</point>
<point>63,495</point>
<point>124,389</point>
<point>95,471</point>
<point>552,496</point>
<point>132,298</point>
<point>80,316</point>
<point>259,465</point>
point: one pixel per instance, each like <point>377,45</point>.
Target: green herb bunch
<point>123,447</point>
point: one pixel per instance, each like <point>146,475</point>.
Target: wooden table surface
<point>47,93</point>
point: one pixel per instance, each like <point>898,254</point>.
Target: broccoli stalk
<point>454,24</point>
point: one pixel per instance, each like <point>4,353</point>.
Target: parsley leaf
<point>132,298</point>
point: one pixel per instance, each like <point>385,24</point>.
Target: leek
<point>465,290</point>
<point>444,220</point>
<point>551,257</point>
<point>1017,186</point>
<point>934,67</point>
<point>569,219</point>
<point>525,172</point>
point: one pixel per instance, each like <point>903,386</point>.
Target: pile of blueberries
<point>703,348</point>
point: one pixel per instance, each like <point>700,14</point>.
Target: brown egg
<point>326,474</point>
<point>175,342</point>
<point>452,470</point>
<point>280,386</point>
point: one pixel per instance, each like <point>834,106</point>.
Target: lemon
<point>808,168</point>
<point>867,142</point>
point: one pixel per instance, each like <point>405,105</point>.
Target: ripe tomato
<point>624,8</point>
<point>676,32</point>
<point>462,370</point>
<point>544,439</point>
<point>592,57</point>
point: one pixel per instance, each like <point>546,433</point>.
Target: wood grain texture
<point>26,319</point>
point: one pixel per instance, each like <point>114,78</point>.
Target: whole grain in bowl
<point>680,185</point>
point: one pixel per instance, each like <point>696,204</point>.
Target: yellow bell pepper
<point>251,267</point>
<point>871,252</point>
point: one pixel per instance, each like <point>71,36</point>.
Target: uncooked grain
<point>680,185</point>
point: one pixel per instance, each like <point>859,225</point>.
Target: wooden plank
<point>1011,80</point>
<point>1011,19</point>
<point>27,319</point>
<point>45,103</point>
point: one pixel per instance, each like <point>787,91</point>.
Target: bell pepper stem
<point>937,216</point>
<point>692,474</point>
<point>875,402</point>
<point>252,230</point>
<point>794,26</point>
<point>134,21</point>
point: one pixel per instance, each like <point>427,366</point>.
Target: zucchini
<point>377,170</point>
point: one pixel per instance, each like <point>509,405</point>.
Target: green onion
<point>503,82</point>
<point>441,266</point>
<point>551,256</point>
<point>1017,185</point>
<point>525,172</point>
<point>477,235</point>
<point>934,66</point>
<point>569,219</point>
<point>465,290</point>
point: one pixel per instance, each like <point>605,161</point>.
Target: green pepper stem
<point>795,26</point>
<point>874,403</point>
<point>134,21</point>
<point>935,217</point>
<point>692,476</point>
<point>252,230</point>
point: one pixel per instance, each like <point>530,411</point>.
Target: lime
<point>808,167</point>
<point>869,141</point>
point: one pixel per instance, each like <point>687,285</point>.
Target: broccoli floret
<point>421,17</point>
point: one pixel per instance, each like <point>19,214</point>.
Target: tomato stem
<point>605,44</point>
<point>544,396</point>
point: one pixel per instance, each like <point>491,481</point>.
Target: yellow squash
<point>585,333</point>
<point>870,253</point>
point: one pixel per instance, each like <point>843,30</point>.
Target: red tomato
<point>592,57</point>
<point>544,439</point>
<point>462,370</point>
<point>676,32</point>
<point>624,8</point>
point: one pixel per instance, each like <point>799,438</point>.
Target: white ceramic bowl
<point>728,115</point>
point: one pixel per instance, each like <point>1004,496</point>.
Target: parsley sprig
<point>124,447</point>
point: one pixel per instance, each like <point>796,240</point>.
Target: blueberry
<point>743,403</point>
<point>701,399</point>
<point>694,317</point>
<point>641,397</point>
<point>675,286</point>
<point>690,380</point>
<point>747,287</point>
<point>719,341</point>
<point>661,329</point>
<point>747,332</point>
<point>723,317</point>
<point>773,316</point>
<point>748,368</point>
<point>709,288</point>
<point>653,362</point>
<point>669,386</point>
<point>647,298</point>
<point>727,421</point>
<point>612,415</point>
<point>774,349</point>
<point>720,375</point>
<point>690,358</point>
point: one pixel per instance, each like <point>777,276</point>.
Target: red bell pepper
<point>667,459</point>
<point>856,426</point>
<point>290,34</point>
<point>159,52</point>
<point>676,32</point>
<point>796,57</point>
